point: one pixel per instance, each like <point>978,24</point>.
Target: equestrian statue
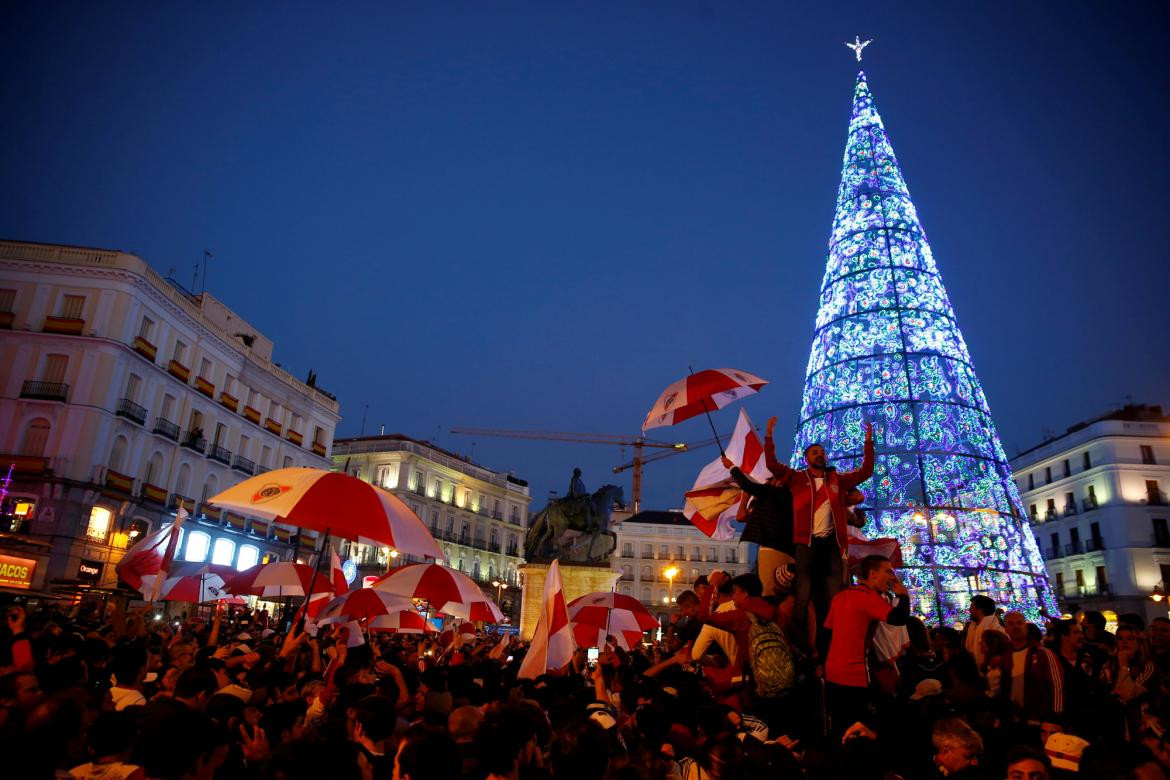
<point>579,511</point>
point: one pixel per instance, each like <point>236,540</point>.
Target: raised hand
<point>727,464</point>
<point>771,424</point>
<point>868,432</point>
<point>254,747</point>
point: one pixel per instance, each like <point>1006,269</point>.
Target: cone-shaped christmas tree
<point>887,349</point>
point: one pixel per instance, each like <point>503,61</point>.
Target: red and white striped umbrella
<point>194,582</point>
<point>467,629</point>
<point>703,391</point>
<point>335,503</point>
<point>622,628</point>
<point>363,604</point>
<point>431,582</point>
<point>405,622</point>
<point>482,610</point>
<point>277,580</point>
<point>596,614</point>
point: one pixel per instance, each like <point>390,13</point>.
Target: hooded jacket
<point>804,489</point>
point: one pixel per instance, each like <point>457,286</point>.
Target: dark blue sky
<point>535,215</point>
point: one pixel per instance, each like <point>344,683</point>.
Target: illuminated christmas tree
<point>887,349</point>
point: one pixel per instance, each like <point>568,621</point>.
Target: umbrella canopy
<point>704,391</point>
<point>467,629</point>
<point>431,582</point>
<point>481,610</point>
<point>405,622</point>
<point>628,634</point>
<point>335,503</point>
<point>363,604</point>
<point>232,601</point>
<point>596,614</point>
<point>277,580</point>
<point>194,582</point>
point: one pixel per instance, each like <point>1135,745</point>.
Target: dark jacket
<point>769,522</point>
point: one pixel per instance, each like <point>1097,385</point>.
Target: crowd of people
<point>807,668</point>
<point>729,692</point>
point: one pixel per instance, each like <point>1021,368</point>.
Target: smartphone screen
<point>593,655</point>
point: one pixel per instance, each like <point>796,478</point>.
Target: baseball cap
<point>1065,750</point>
<point>925,688</point>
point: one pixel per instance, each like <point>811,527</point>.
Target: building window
<point>198,543</point>
<point>680,553</point>
<point>645,595</point>
<point>1080,575</point>
<point>696,554</point>
<point>36,438</point>
<point>133,382</point>
<point>1067,467</point>
<point>55,367</point>
<point>1074,539</point>
<point>72,306</point>
<point>1095,533</point>
<point>224,552</point>
<point>205,369</point>
<point>1032,512</point>
<point>1047,475</point>
<point>1031,482</point>
<point>1102,580</point>
<point>732,555</point>
<point>1148,455</point>
<point>1060,583</point>
<point>627,550</point>
<point>1070,504</point>
<point>98,527</point>
<point>647,551</point>
<point>179,352</point>
<point>1087,461</point>
<point>645,572</point>
<point>1161,532</point>
<point>1153,493</point>
<point>249,557</point>
<point>1092,497</point>
<point>712,555</point>
<point>1055,539</point>
<point>663,551</point>
<point>7,300</point>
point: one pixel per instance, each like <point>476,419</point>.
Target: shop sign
<point>16,572</point>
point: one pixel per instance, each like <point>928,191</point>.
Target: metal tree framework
<point>887,349</point>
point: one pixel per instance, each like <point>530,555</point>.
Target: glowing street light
<point>670,572</point>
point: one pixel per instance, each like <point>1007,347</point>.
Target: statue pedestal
<point>577,580</point>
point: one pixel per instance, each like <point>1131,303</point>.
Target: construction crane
<point>639,443</point>
<point>690,446</point>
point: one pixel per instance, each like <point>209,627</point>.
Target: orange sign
<point>269,492</point>
<point>16,572</point>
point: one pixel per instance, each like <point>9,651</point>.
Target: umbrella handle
<point>313,581</point>
<point>709,421</point>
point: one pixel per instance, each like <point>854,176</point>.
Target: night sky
<point>537,215</point>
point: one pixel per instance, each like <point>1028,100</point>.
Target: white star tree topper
<point>858,45</point>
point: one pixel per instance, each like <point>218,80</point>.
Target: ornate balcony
<point>44,391</point>
<point>193,440</point>
<point>164,427</point>
<point>243,464</point>
<point>68,326</point>
<point>131,411</point>
<point>220,454</point>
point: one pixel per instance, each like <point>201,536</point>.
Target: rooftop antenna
<point>206,254</point>
<point>858,45</point>
<point>364,410</point>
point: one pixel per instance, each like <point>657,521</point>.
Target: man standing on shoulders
<point>983,618</point>
<point>820,520</point>
<point>851,617</point>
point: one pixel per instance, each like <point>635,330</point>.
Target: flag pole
<point>709,420</point>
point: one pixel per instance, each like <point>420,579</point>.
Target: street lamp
<point>670,572</point>
<point>499,586</point>
<point>1158,593</point>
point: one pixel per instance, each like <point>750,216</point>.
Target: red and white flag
<point>337,575</point>
<point>152,555</point>
<point>552,645</point>
<point>715,501</point>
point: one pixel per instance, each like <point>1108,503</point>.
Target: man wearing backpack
<point>851,616</point>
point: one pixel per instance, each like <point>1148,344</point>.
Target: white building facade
<point>124,397</point>
<point>1096,496</point>
<point>478,516</point>
<point>652,542</point>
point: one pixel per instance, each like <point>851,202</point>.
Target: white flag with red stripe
<point>152,555</point>
<point>715,501</point>
<point>552,645</point>
<point>337,575</point>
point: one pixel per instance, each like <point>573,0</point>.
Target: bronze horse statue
<point>587,514</point>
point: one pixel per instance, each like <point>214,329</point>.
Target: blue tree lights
<point>887,349</point>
